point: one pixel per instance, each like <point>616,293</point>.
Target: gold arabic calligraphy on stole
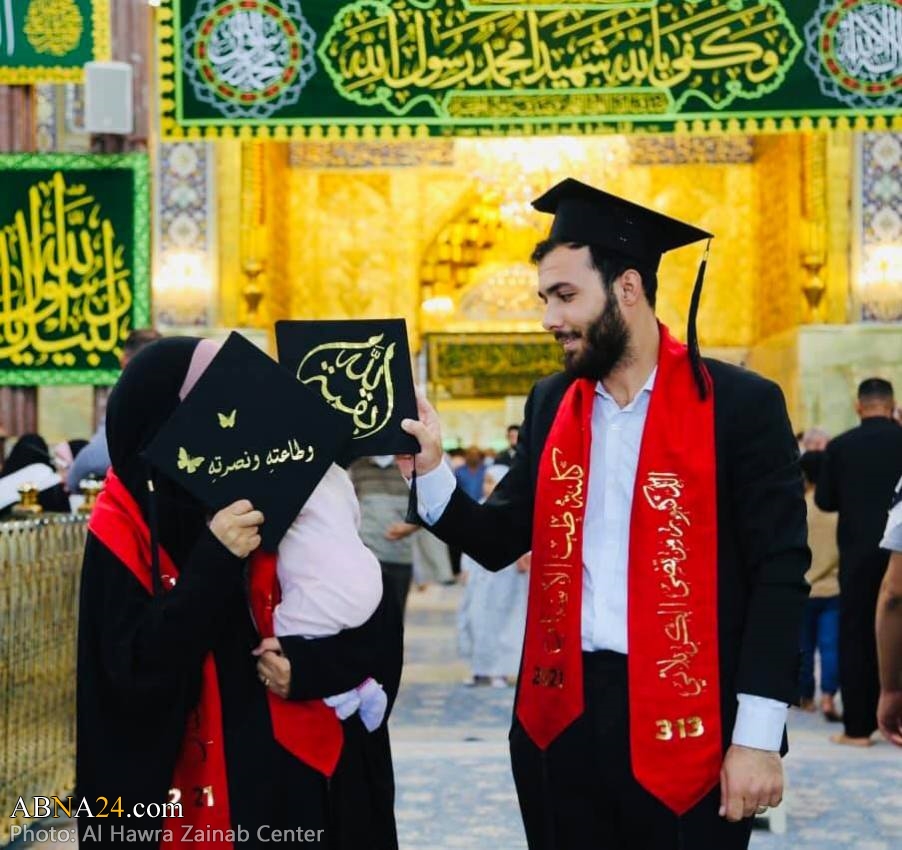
<point>663,491</point>
<point>558,574</point>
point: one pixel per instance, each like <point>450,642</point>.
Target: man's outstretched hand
<point>428,433</point>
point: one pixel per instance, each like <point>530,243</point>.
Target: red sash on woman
<point>674,693</point>
<point>199,780</point>
<point>308,729</point>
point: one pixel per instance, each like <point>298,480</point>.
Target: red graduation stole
<point>199,780</point>
<point>674,694</point>
<point>308,729</point>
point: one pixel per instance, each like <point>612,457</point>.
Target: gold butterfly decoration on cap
<point>227,421</point>
<point>188,463</point>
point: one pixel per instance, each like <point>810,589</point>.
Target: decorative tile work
<point>183,196</point>
<point>45,131</point>
<point>75,108</point>
<point>881,226</point>
<point>60,119</point>
<point>185,243</point>
<point>882,188</point>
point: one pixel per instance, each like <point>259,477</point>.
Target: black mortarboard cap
<point>249,430</point>
<point>586,215</point>
<point>362,369</point>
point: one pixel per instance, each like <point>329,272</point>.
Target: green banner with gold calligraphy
<point>49,41</point>
<point>476,365</point>
<point>74,265</point>
<point>413,68</point>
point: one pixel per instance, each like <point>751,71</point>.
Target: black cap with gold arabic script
<point>249,430</point>
<point>361,368</point>
<point>586,215</point>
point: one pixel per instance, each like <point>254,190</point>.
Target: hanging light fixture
<point>520,169</point>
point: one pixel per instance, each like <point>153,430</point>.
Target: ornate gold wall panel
<point>228,205</point>
<point>719,199</point>
<point>840,164</point>
<point>361,154</point>
<point>280,232</point>
<point>775,241</point>
<point>679,150</point>
<point>350,242</point>
<point>344,240</point>
<point>302,277</point>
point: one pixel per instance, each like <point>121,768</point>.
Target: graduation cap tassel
<point>413,510</point>
<point>154,539</point>
<point>695,357</point>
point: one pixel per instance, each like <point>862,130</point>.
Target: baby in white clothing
<point>330,581</point>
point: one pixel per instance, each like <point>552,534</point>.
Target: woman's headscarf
<point>145,396</point>
<point>29,449</point>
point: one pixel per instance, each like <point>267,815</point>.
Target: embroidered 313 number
<point>682,727</point>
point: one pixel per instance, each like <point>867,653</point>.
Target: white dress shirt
<point>892,536</point>
<point>616,441</point>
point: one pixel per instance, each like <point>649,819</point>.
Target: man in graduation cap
<point>661,497</point>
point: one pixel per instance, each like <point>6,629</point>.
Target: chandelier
<point>881,284</point>
<point>518,170</point>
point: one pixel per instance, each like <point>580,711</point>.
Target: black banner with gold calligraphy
<point>414,68</point>
<point>74,265</point>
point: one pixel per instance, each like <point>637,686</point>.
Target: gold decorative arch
<point>473,274</point>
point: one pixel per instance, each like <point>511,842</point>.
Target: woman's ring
<point>761,810</point>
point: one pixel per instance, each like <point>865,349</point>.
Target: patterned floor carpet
<point>455,788</point>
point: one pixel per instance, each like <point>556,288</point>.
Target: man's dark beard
<point>606,345</point>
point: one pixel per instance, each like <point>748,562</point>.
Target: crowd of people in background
<point>850,482</point>
<point>58,473</point>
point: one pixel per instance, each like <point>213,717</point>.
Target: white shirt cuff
<point>760,723</point>
<point>892,537</point>
<point>434,491</point>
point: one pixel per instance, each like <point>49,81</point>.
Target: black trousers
<point>581,794</point>
<point>859,680</point>
<point>397,579</point>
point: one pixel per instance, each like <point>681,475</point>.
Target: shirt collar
<point>647,387</point>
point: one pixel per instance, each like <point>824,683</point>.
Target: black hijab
<point>145,396</point>
<point>29,449</point>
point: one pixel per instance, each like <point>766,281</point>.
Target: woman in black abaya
<point>168,691</point>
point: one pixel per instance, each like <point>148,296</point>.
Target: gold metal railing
<point>40,562</point>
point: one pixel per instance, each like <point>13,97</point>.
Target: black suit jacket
<point>762,537</point>
<point>858,476</point>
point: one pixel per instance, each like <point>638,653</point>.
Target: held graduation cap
<point>586,215</point>
<point>249,430</point>
<point>361,369</point>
